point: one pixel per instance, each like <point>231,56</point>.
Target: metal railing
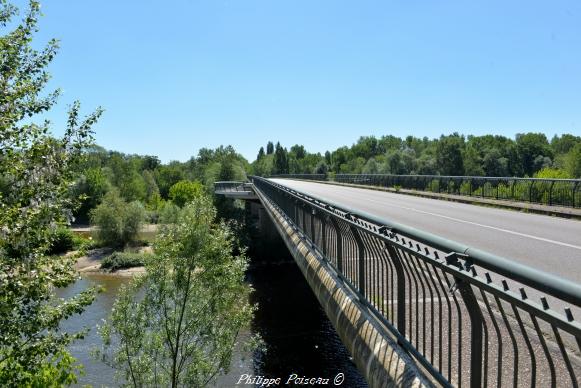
<point>552,192</point>
<point>231,186</point>
<point>468,317</point>
<point>312,177</point>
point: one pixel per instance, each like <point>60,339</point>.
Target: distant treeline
<point>145,179</point>
<point>528,155</point>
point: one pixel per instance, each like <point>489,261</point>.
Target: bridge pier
<point>378,356</point>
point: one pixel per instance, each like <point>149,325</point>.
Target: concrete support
<point>382,362</point>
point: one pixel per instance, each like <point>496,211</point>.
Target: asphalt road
<point>546,243</point>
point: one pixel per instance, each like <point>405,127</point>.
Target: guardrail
<point>452,307</point>
<point>231,187</point>
<point>560,192</point>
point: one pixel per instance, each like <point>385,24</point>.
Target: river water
<point>298,336</point>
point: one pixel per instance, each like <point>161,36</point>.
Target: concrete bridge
<point>413,305</point>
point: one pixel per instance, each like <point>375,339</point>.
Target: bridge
<point>425,292</point>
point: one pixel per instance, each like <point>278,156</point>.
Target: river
<point>298,336</point>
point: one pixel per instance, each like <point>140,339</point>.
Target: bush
<point>168,213</point>
<point>552,173</point>
<point>118,222</point>
<point>62,240</point>
<point>123,260</point>
<point>185,191</point>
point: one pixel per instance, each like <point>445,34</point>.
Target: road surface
<point>547,243</point>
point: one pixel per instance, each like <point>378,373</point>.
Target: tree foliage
<point>36,173</point>
<point>455,154</point>
<point>118,222</point>
<point>185,191</point>
<point>177,324</point>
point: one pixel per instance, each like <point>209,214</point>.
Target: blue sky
<point>175,76</point>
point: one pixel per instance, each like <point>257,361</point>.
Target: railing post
<point>531,192</point>
<point>476,320</point>
<point>313,238</point>
<point>512,189</point>
<point>339,245</point>
<point>395,259</point>
<point>361,259</point>
<point>324,234</point>
<point>551,193</point>
<point>574,189</point>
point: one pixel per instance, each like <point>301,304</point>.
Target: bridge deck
<point>547,243</point>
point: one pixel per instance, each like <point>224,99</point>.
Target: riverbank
<point>91,263</point>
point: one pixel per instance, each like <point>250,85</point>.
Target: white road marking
<point>385,203</point>
<point>481,225</point>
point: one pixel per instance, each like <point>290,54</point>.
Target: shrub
<point>62,240</point>
<point>465,188</point>
<point>552,173</point>
<point>168,213</point>
<point>123,260</point>
<point>185,191</point>
<point>118,222</point>
<point>433,186</point>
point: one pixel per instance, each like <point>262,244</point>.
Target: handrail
<point>548,283</point>
<point>391,265</point>
<point>552,192</point>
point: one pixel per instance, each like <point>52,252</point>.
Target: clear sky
<point>178,75</point>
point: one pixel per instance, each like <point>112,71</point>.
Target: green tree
<point>118,222</point>
<point>168,175</point>
<point>185,191</point>
<point>494,164</point>
<point>177,325</point>
<point>472,162</point>
<point>269,148</point>
<point>92,185</point>
<point>280,160</point>
<point>564,143</point>
<point>298,151</point>
<point>36,172</point>
<point>552,173</point>
<point>531,146</point>
<point>573,161</point>
<point>152,195</point>
<point>260,153</point>
<point>321,168</point>
<point>449,155</point>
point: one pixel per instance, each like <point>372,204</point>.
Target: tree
<point>280,160</point>
<point>118,222</point>
<point>529,147</point>
<point>449,155</point>
<point>177,324</point>
<point>168,175</point>
<point>573,161</point>
<point>151,190</point>
<point>472,162</point>
<point>564,143</point>
<point>36,174</point>
<point>185,191</point>
<point>260,153</point>
<point>92,185</point>
<point>269,148</point>
<point>494,164</point>
<point>298,151</point>
<point>321,168</point>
